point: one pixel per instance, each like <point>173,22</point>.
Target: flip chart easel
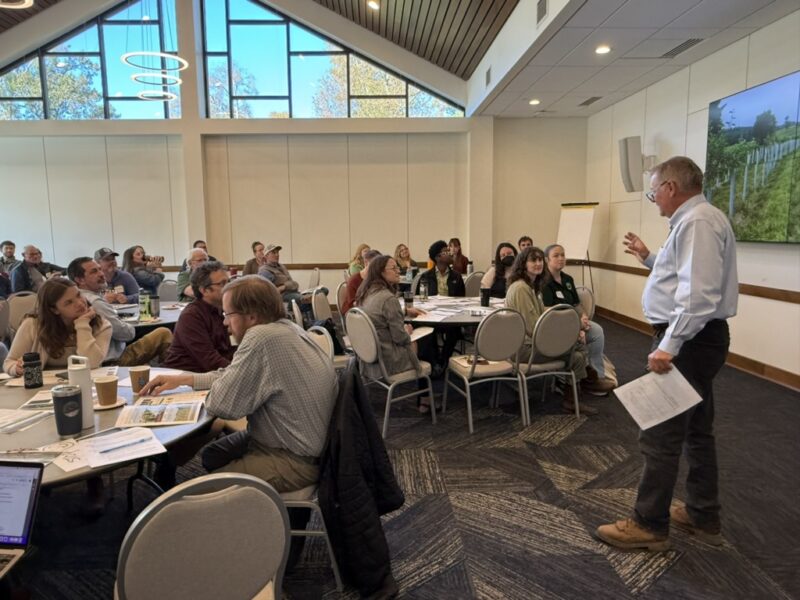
<point>574,231</point>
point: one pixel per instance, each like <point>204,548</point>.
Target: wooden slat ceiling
<point>453,34</point>
<point>10,17</point>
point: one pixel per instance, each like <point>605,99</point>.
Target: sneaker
<point>627,534</point>
<point>597,387</point>
<point>708,534</point>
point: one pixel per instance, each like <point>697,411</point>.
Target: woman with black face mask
<point>495,277</point>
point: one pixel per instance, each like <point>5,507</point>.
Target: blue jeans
<point>595,344</point>
<point>699,360</point>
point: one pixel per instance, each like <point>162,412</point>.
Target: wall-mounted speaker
<point>631,164</point>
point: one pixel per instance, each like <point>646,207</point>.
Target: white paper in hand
<point>653,398</point>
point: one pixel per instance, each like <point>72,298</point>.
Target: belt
<point>659,327</point>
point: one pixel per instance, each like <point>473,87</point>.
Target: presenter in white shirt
<point>691,291</point>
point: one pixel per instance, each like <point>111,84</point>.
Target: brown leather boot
<point>568,404</point>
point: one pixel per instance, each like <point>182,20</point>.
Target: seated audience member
<point>5,285</point>
<point>201,342</point>
<point>442,279</point>
<point>202,246</point>
<point>145,269</point>
<point>524,242</point>
<point>459,260</point>
<point>495,278</point>
<point>195,258</point>
<point>279,379</point>
<point>523,295</point>
<point>252,266</point>
<point>559,288</point>
<point>376,297</point>
<point>32,271</point>
<point>354,281</point>
<point>91,282</point>
<point>402,256</point>
<point>122,287</point>
<point>63,324</point>
<point>357,262</point>
<point>7,259</point>
<point>3,352</point>
<point>279,275</point>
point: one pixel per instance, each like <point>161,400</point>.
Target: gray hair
<point>683,171</point>
<point>192,252</point>
<point>201,276</point>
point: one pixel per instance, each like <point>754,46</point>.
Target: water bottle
<point>470,268</point>
<point>423,291</point>
<point>144,304</point>
<point>80,375</point>
<point>32,370</point>
<point>155,306</point>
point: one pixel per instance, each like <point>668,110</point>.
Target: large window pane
<point>376,108</point>
<point>136,109</point>
<point>250,11</point>
<point>142,10</point>
<point>22,82</point>
<point>423,104</point>
<point>260,109</point>
<point>216,28</point>
<point>259,53</point>
<point>21,110</point>
<point>169,25</point>
<point>368,80</point>
<point>218,92</point>
<point>118,40</point>
<point>302,40</point>
<point>319,86</point>
<point>74,87</point>
<point>85,41</point>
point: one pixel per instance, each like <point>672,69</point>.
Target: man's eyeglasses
<point>651,195</point>
<point>230,314</point>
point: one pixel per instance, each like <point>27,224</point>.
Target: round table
<point>44,432</point>
<point>464,311</point>
<point>167,318</point>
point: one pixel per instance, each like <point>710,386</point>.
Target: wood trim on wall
<point>790,296</point>
<point>737,361</point>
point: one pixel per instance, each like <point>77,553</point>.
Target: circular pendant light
<point>156,78</point>
<point>16,4</point>
<point>129,59</point>
<point>156,95</point>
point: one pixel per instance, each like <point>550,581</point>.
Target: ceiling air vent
<point>541,11</point>
<point>682,47</point>
<point>589,101</point>
<point>488,76</point>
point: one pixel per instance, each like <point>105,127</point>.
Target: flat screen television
<point>753,160</point>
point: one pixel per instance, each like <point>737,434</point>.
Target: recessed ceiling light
<point>534,101</point>
<point>602,49</point>
<point>16,4</point>
<point>374,4</point>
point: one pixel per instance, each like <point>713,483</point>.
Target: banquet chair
<point>224,535</point>
<point>168,291</point>
<point>313,281</point>
<point>5,313</point>
<point>319,305</point>
<point>341,292</point>
<point>415,282</point>
<point>298,314</point>
<point>19,305</point>
<point>587,300</point>
<point>364,340</point>
<point>497,340</point>
<point>322,338</point>
<point>472,284</point>
<point>553,342</point>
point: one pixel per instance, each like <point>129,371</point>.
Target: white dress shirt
<point>693,278</point>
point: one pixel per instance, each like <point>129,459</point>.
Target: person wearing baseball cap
<point>122,287</point>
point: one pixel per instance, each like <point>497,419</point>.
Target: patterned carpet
<point>509,512</point>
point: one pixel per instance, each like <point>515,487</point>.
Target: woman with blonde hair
<point>402,256</point>
<point>357,262</point>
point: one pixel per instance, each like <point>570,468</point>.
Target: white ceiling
<point>566,71</point>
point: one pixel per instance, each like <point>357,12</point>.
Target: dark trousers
<point>699,360</point>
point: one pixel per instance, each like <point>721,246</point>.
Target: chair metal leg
<point>323,533</point>
<point>468,397</point>
<point>140,475</point>
<point>493,401</point>
<point>446,387</point>
<point>433,400</point>
<point>388,408</point>
<point>576,397</point>
<point>523,400</point>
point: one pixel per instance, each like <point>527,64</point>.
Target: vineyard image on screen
<point>753,160</point>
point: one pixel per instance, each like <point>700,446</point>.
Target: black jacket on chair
<point>357,485</point>
<point>455,283</point>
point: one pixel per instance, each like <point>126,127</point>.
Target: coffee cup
<point>67,409</point>
<point>408,297</point>
<point>139,377</point>
<point>106,390</point>
<point>485,292</point>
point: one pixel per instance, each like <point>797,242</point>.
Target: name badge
<point>559,294</point>
<point>119,289</point>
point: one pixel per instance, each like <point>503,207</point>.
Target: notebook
<point>19,493</point>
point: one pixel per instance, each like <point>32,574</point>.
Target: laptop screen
<point>19,489</point>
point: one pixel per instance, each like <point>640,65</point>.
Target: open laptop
<point>19,493</point>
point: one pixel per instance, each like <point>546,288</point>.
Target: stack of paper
<point>16,420</point>
<point>152,411</point>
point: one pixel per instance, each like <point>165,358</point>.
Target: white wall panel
<point>141,206</point>
<point>432,190</point>
<point>378,176</point>
<point>777,325</point>
<point>77,181</point>
<point>774,50</point>
<point>177,188</point>
<point>23,195</point>
<point>628,121</point>
<point>319,193</point>
<point>259,194</point>
<point>697,136</point>
<point>598,179</point>
<point>719,75</point>
<point>218,205</point>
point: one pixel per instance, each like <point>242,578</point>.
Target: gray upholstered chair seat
<point>459,365</point>
<point>543,367</point>
<point>411,374</point>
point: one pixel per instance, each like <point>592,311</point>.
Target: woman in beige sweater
<point>524,296</point>
<point>63,325</point>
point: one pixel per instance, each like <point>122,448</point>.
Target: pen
<point>125,445</point>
